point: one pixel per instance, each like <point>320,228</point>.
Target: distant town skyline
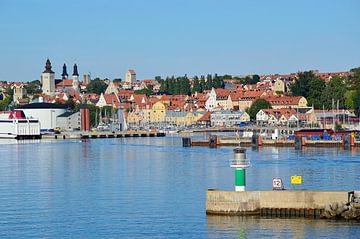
<point>106,38</point>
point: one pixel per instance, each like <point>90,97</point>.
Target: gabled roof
<point>277,113</point>
<point>111,99</point>
<point>139,99</point>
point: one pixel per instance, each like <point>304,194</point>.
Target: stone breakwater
<point>340,210</point>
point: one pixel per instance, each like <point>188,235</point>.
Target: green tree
<point>4,104</point>
<point>334,91</point>
<point>96,86</point>
<point>217,81</point>
<point>164,88</point>
<point>70,103</point>
<point>355,78</point>
<point>258,105</point>
<point>94,112</point>
<point>255,79</point>
<point>196,85</point>
<point>209,82</point>
<point>117,80</point>
<point>356,100</point>
<point>147,91</point>
<point>158,79</point>
<point>202,84</point>
<point>316,90</point>
<point>349,99</point>
<point>33,87</point>
<point>10,93</point>
<point>301,86</point>
<point>184,86</point>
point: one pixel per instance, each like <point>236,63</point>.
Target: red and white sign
<point>277,183</point>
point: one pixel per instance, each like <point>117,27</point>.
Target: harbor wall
<point>253,202</point>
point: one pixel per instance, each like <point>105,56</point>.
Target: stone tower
<point>48,79</point>
<point>130,76</point>
<point>75,77</point>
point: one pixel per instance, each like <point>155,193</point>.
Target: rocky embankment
<point>338,210</point>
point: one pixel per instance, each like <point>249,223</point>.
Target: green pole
<point>240,179</point>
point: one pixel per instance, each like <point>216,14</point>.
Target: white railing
<point>237,163</point>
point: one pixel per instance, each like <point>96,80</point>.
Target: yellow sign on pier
<point>296,179</point>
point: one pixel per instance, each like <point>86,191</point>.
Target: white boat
<point>15,125</point>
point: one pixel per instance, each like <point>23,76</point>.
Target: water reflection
<point>112,187</point>
<point>249,227</point>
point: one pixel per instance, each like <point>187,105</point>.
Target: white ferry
<point>15,125</point>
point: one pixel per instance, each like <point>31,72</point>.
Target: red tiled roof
<point>65,83</point>
<point>111,99</point>
<point>283,100</point>
<point>18,84</point>
<point>222,92</point>
<point>205,117</point>
<point>252,94</point>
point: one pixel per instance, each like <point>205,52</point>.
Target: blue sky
<point>177,37</point>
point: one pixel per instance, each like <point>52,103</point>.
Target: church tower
<point>64,72</point>
<point>48,79</point>
<point>75,77</point>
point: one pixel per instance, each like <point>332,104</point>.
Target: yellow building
<point>181,118</point>
<point>280,102</point>
<point>278,86</point>
<point>135,118</point>
<point>156,114</point>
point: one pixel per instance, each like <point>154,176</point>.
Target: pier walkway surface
<point>284,203</point>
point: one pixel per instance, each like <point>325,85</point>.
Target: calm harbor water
<point>154,188</point>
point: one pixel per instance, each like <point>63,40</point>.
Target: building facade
<point>69,121</point>
<point>227,118</point>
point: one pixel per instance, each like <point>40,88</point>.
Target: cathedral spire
<point>48,67</point>
<point>64,72</point>
<point>75,72</point>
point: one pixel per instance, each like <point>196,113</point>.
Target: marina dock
<point>102,134</point>
<point>233,141</point>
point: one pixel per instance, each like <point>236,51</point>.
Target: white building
<point>69,121</point>
<point>19,91</point>
<point>46,113</point>
<point>228,118</point>
<point>210,103</point>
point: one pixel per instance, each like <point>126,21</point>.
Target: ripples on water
<point>154,188</point>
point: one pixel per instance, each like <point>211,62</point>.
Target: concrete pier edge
<point>280,203</point>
